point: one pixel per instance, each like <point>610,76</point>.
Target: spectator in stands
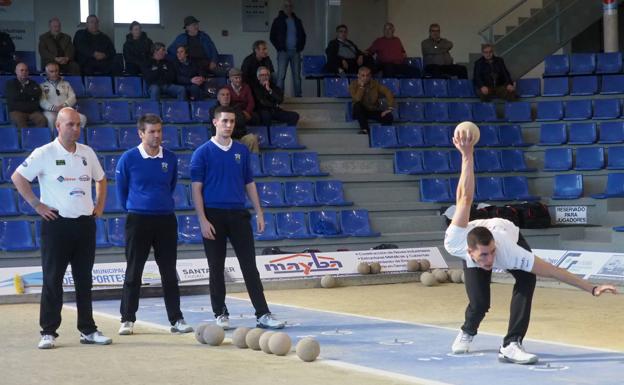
<point>242,96</point>
<point>56,47</point>
<point>288,38</point>
<point>437,59</point>
<point>189,75</point>
<point>22,97</point>
<point>258,58</point>
<point>95,51</point>
<point>343,56</point>
<point>159,75</point>
<point>365,93</point>
<point>7,53</point>
<point>201,49</point>
<point>491,77</point>
<point>268,97</point>
<point>56,94</point>
<point>224,99</point>
<point>137,49</point>
<point>390,55</point>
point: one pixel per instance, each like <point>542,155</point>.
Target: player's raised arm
<point>464,142</point>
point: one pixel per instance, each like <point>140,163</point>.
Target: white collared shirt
<point>65,178</point>
<point>145,155</point>
<point>224,148</point>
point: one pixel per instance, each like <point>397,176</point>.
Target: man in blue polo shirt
<point>146,178</point>
<point>221,176</point>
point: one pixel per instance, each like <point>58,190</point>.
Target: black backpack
<point>533,215</point>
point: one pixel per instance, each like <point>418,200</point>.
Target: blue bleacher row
<point>583,64</point>
<point>554,134</point>
<point>19,236</point>
<point>586,159</point>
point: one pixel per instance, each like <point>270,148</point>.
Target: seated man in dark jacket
<point>268,98</point>
<point>56,47</point>
<point>95,51</point>
<point>491,77</point>
<point>22,96</point>
<point>137,49</point>
<point>7,50</point>
<point>258,58</point>
<point>189,75</point>
<point>343,56</point>
<point>160,75</point>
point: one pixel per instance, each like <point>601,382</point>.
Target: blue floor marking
<point>404,348</point>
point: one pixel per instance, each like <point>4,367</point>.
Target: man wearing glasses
<point>491,78</point>
<point>56,94</point>
<point>437,59</point>
<point>268,97</point>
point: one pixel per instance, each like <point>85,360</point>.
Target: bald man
<point>22,96</point>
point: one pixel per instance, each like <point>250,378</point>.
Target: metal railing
<point>489,27</point>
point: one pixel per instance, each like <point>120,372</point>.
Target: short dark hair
<point>182,46</point>
<point>479,236</point>
<point>133,24</point>
<point>222,109</point>
<point>256,44</point>
<point>434,25</point>
<point>156,46</point>
<point>148,119</point>
<point>342,26</point>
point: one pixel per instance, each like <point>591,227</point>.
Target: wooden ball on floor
<point>428,279</point>
<point>413,265</point>
<point>252,339</point>
<point>213,335</point>
<point>425,265</point>
<point>264,342</point>
<point>329,281</point>
<point>363,268</point>
<point>375,268</point>
<point>239,336</point>
<point>280,344</point>
<point>308,349</point>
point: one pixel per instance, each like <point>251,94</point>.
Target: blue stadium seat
<point>582,63</point>
<point>584,85</point>
<point>615,187</point>
<point>313,65</point>
<point>16,236</point>
<point>270,230</point>
<point>518,112</point>
<point>91,109</point>
<point>293,225</point>
<point>271,194</point>
<point>528,87</point>
<point>128,86</point>
<point>436,162</point>
<point>356,223</point>
<point>556,86</point>
<point>214,84</point>
<point>549,110</point>
<point>489,136</point>
<point>410,135</point>
<point>325,224</point>
<point>116,231</point>
<point>143,107</point>
<point>171,138</point>
<point>511,135</point>
<point>408,162</point>
<point>589,158</point>
<point>23,206</point>
<point>608,63</point>
<point>3,80</point>
<point>436,112</point>
<point>558,159</point>
<point>284,137</point>
<point>513,160</point>
<point>99,86</point>
<point>435,190</point>
<point>460,112</point>
<point>277,164</point>
<point>415,62</point>
<point>437,136</point>
<point>488,161</point>
<point>256,165</point>
<point>189,231</point>
<point>76,83</point>
<point>484,112</point>
<point>110,165</point>
<point>184,166</point>
<point>556,65</point>
<point>517,188</point>
<point>263,135</point>
<point>112,205</point>
<point>436,88</point>
<point>10,140</point>
<point>33,137</point>
<point>582,133</point>
<point>384,137</point>
<point>611,132</point>
<point>117,111</point>
<point>336,87</point>
<point>490,188</point>
<point>460,88</point>
<point>181,197</point>
<point>306,164</point>
<point>612,84</point>
<point>616,158</point>
<point>329,193</point>
<point>300,193</point>
<point>568,186</point>
<point>393,85</point>
<point>101,237</point>
<point>412,111</point>
<point>194,136</point>
<point>200,110</point>
<point>102,138</point>
<point>455,161</point>
<point>606,109</point>
<point>3,114</point>
<point>577,109</point>
<point>10,164</point>
<point>8,203</point>
<point>175,112</point>
<point>411,88</point>
<point>224,63</point>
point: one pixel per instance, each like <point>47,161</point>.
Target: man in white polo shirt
<point>496,243</point>
<point>66,170</point>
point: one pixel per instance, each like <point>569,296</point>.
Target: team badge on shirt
<point>60,162</point>
<point>165,166</point>
<point>237,157</point>
<point>84,161</point>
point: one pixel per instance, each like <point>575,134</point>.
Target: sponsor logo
<point>77,193</point>
<point>164,166</point>
<point>237,157</point>
<point>60,178</point>
<point>24,164</point>
<point>84,178</point>
<point>302,263</point>
<point>84,161</point>
<point>60,162</point>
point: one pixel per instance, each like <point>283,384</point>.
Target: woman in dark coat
<point>137,49</point>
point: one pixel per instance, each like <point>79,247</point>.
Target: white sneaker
<point>461,345</point>
<point>223,321</point>
<point>96,338</point>
<point>515,353</point>
<point>46,342</point>
<point>268,321</point>
<point>181,327</point>
<point>126,328</point>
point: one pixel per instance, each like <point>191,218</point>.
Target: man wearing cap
<point>201,49</point>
